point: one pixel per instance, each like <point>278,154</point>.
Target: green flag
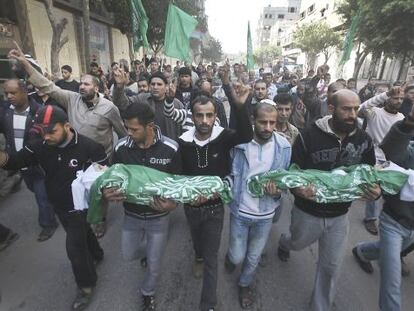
<point>178,29</point>
<point>349,40</point>
<point>139,22</point>
<point>250,59</point>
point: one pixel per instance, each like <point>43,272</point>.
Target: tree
<point>386,27</point>
<point>157,13</point>
<point>58,26</point>
<point>212,51</point>
<point>267,54</point>
<point>315,38</point>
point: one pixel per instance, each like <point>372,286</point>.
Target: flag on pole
<point>178,29</point>
<point>250,59</point>
<point>139,22</point>
<point>349,40</point>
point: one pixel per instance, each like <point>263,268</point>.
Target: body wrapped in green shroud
<point>343,184</point>
<point>140,184</point>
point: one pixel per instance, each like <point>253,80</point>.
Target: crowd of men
<point>216,120</point>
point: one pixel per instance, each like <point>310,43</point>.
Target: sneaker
<point>405,271</point>
<point>246,297</point>
<point>46,233</point>
<point>366,266</point>
<point>228,265</point>
<point>371,226</point>
<point>282,254</point>
<point>148,303</point>
<point>198,268</point>
<point>83,298</point>
<point>11,237</point>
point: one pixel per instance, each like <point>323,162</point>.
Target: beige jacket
<point>96,123</point>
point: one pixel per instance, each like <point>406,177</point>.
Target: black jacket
<point>163,155</point>
<point>60,165</point>
<point>214,157</point>
<point>319,148</point>
<point>398,149</point>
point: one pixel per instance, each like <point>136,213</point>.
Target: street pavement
<point>37,276</point>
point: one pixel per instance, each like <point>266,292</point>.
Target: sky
<point>227,21</point>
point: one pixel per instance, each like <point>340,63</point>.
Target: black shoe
<point>83,298</point>
<point>46,233</point>
<point>228,265</point>
<point>282,254</point>
<point>144,262</point>
<point>148,303</point>
<point>11,237</point>
<point>366,266</point>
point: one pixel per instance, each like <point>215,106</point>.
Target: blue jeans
<point>393,239</point>
<point>146,238</point>
<point>372,210</point>
<point>248,238</point>
<point>36,184</point>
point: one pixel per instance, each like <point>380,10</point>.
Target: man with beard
<point>88,111</point>
<point>61,154</point>
<point>298,115</point>
<point>143,85</point>
<point>408,100</point>
<point>251,218</point>
<point>205,150</point>
<point>379,122</point>
<point>330,142</point>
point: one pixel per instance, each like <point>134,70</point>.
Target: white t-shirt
<point>379,122</point>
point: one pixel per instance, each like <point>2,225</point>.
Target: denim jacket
<point>240,171</point>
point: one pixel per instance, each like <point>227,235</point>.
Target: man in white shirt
<point>379,122</point>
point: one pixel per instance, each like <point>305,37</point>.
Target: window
<point>302,15</point>
<point>265,15</point>
<point>270,16</point>
<point>292,10</point>
<point>311,8</point>
<point>281,16</point>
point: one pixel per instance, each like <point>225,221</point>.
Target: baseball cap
<point>47,117</point>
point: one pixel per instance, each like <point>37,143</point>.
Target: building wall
<point>42,36</point>
<point>120,45</point>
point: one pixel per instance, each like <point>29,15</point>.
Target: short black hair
<point>113,64</point>
<point>142,78</point>
<point>93,64</point>
<point>283,99</point>
<point>203,100</point>
<point>67,68</point>
<point>140,111</point>
<point>159,75</point>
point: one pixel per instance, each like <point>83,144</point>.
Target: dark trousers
<point>206,225</point>
<point>82,247</point>
<point>4,233</point>
<point>36,184</point>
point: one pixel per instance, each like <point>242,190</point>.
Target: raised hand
<point>120,77</point>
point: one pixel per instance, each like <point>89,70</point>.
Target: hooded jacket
<point>318,147</point>
<point>399,149</point>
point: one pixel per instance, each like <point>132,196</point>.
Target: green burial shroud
<point>140,184</point>
<point>343,184</point>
